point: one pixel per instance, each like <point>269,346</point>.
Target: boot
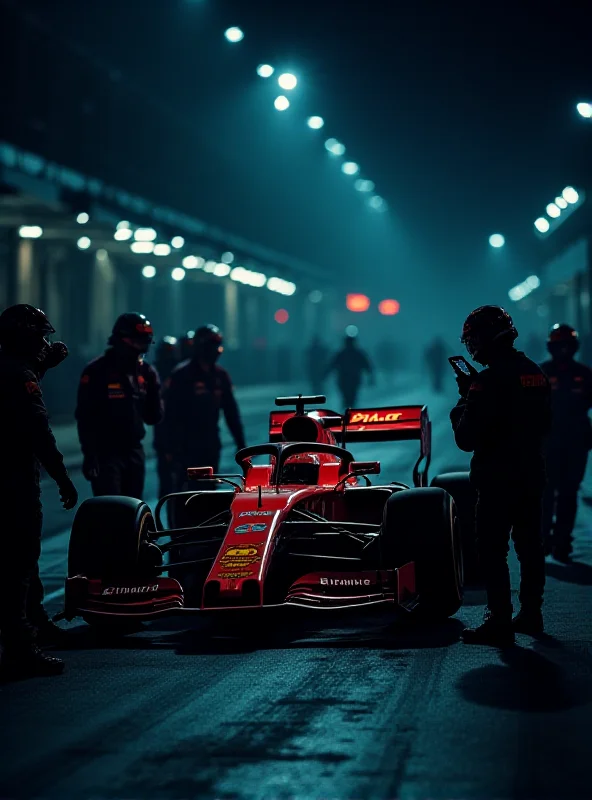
<point>493,631</point>
<point>49,634</point>
<point>529,621</point>
<point>29,662</point>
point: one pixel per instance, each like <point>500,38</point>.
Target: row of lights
<point>288,82</point>
<point>360,303</point>
<point>239,274</point>
<point>568,197</point>
<point>525,288</point>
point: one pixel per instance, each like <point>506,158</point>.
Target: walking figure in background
<point>119,393</point>
<point>166,358</point>
<point>316,357</point>
<point>570,439</point>
<point>27,443</point>
<point>386,358</point>
<point>502,417</point>
<point>196,392</point>
<point>350,364</point>
<point>435,358</point>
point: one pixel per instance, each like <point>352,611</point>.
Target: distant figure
<point>166,358</point>
<point>570,439</point>
<point>350,363</point>
<point>435,358</point>
<point>185,345</point>
<point>316,358</point>
<point>386,358</point>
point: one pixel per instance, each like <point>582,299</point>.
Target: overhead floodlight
<point>542,224</point>
<point>561,202</point>
<point>350,168</point>
<point>351,331</point>
<point>281,316</point>
<point>162,249</point>
<point>30,231</point>
<point>248,277</point>
<point>234,34</point>
<point>553,210</point>
<point>585,110</point>
<point>281,286</point>
<point>389,307</point>
<point>221,270</point>
<point>227,257</point>
<point>523,289</point>
<point>145,235</point>
<point>83,243</point>
<point>570,194</point>
<point>122,224</point>
<point>210,266</point>
<point>287,81</point>
<point>82,218</point>
<point>142,247</point>
<point>497,240</point>
<point>123,234</point>
<point>316,123</point>
<point>191,262</point>
<point>177,242</point>
<point>357,302</point>
<point>102,254</point>
<point>533,282</point>
<point>335,147</point>
<point>377,203</point>
<point>148,271</point>
<point>281,103</point>
<point>178,274</point>
<point>265,70</point>
<point>364,186</point>
<point>315,296</point>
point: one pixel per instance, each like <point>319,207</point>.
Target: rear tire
<point>420,525</point>
<point>457,485</point>
<point>109,540</point>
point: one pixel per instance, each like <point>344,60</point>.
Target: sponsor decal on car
<point>245,573</point>
<point>256,528</point>
<point>345,582</point>
<point>367,418</point>
<point>256,513</point>
<point>238,557</point>
<point>110,590</point>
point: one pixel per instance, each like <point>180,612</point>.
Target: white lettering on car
<point>345,582</point>
<point>110,590</point>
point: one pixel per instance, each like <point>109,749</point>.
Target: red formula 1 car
<point>303,528</point>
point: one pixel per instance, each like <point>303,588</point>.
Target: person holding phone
<point>503,417</point>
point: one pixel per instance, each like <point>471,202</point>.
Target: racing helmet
<point>208,342</point>
<point>563,341</point>
<point>134,330</point>
<point>23,329</point>
<point>301,468</point>
<point>484,327</point>
<point>186,342</point>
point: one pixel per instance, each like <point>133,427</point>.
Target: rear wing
<point>387,424</point>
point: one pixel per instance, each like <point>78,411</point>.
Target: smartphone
<point>462,367</point>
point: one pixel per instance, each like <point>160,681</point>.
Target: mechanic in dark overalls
<point>196,392</point>
<point>166,358</point>
<point>119,394</point>
<point>570,439</point>
<point>502,417</point>
<point>27,442</point>
<point>350,364</point>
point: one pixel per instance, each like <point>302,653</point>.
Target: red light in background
<point>389,307</point>
<point>357,302</point>
<point>281,316</point>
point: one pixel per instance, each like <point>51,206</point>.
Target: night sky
<point>462,113</point>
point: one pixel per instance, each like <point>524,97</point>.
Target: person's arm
<point>475,413</point>
<point>232,414</point>
<point>153,410</point>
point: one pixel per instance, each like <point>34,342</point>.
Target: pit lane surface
<point>347,706</point>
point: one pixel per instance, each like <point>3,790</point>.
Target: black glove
<point>90,467</point>
<point>464,384</point>
<point>56,353</point>
<point>68,493</point>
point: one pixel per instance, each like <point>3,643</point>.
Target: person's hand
<point>464,384</point>
<point>68,493</point>
<point>90,467</point>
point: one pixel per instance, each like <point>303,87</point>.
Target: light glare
<point>553,211</point>
<point>350,168</point>
<point>377,203</point>
<point>315,296</point>
<point>233,35</point>
<point>265,70</point>
<point>316,123</point>
<point>82,218</point>
<point>178,274</point>
<point>142,247</point>
<point>335,147</point>
<point>30,231</point>
<point>287,81</point>
<point>123,234</point>
<point>281,286</point>
<point>227,257</point>
<point>83,243</point>
<point>585,110</point>
<point>281,103</point>
<point>177,242</point>
<point>542,224</point>
<point>364,186</point>
<point>148,271</point>
<point>145,235</point>
<point>221,270</point>
<point>570,194</point>
<point>561,202</point>
<point>162,249</point>
<point>496,240</point>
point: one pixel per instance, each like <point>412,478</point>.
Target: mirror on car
<point>198,473</point>
<point>365,467</point>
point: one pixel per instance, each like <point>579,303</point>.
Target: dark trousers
<point>21,590</point>
<point>566,465</point>
<point>121,474</point>
<point>503,510</point>
<point>349,394</point>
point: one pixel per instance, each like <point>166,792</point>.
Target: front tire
<point>419,525</point>
<point>458,485</point>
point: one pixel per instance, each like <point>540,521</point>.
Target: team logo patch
<point>32,387</point>
<point>239,557</point>
<point>256,513</point>
<point>256,528</point>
